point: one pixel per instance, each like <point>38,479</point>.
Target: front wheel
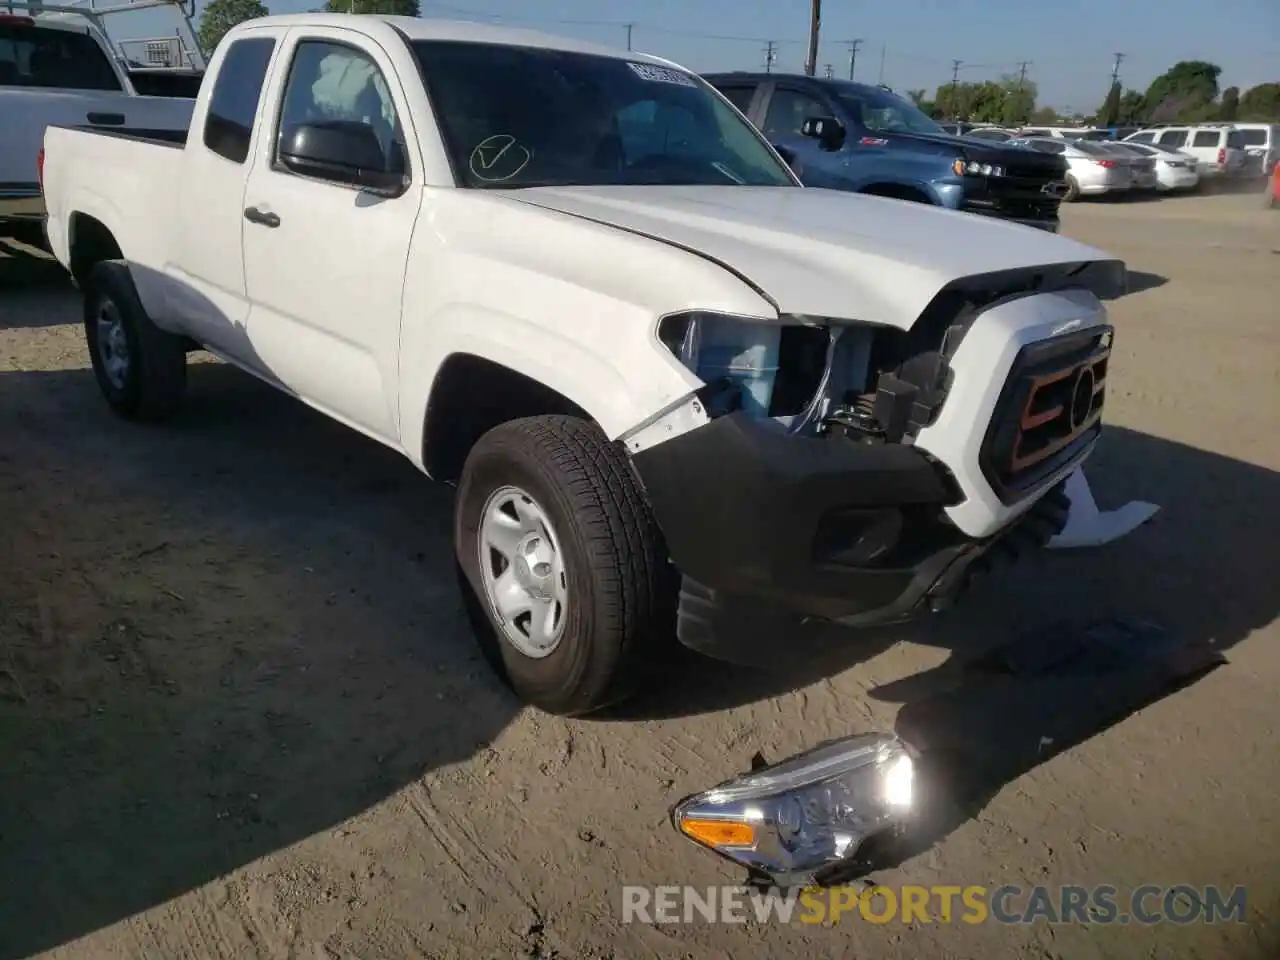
<point>1073,190</point>
<point>561,563</point>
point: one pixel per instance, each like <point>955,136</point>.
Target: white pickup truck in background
<point>59,70</point>
<point>676,390</point>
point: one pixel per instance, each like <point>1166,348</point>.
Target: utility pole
<point>829,72</point>
<point>883,48</point>
<point>1115,70</point>
<point>1022,82</point>
<point>955,93</point>
<point>815,27</point>
<point>853,54</point>
<point>770,55</point>
<point>630,27</point>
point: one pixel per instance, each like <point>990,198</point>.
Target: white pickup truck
<point>673,387</point>
<point>59,69</point>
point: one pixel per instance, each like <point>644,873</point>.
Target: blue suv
<point>851,136</point>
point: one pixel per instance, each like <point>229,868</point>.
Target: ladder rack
<point>179,51</point>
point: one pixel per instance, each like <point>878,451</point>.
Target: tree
<point>1183,92</point>
<point>1045,117</point>
<point>1019,100</point>
<point>1132,107</point>
<point>396,8</point>
<point>1109,112</point>
<point>1230,106</point>
<point>1261,102</point>
<point>221,15</point>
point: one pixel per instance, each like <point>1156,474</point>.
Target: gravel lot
<point>241,715</point>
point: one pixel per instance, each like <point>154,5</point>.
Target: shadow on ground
<point>228,634</point>
<point>33,288</point>
<point>1140,280</point>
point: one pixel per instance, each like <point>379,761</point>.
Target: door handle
<point>254,215</point>
<point>105,119</point>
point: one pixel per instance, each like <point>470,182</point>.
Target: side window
<point>332,84</point>
<point>234,102</point>
<point>1173,138</point>
<point>787,110</point>
<point>1143,138</point>
<point>740,97</point>
<point>1206,138</point>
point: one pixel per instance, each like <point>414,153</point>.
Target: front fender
<point>595,383</point>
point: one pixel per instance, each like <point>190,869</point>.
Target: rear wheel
<point>561,563</point>
<point>140,369</point>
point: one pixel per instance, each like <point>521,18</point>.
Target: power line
<point>853,54</point>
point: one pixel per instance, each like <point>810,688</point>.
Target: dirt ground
<point>241,714</point>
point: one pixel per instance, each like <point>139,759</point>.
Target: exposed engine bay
<point>861,381</point>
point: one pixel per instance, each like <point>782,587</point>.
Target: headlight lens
<point>717,347</point>
<point>974,168</point>
<point>805,817</point>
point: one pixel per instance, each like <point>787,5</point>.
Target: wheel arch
<point>471,395</point>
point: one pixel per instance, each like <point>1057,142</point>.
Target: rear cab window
<point>1253,137</point>
<point>48,57</point>
<point>228,127</point>
<point>1207,138</point>
<point>1173,138</point>
<point>740,95</point>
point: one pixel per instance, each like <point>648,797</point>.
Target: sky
<point>1070,45</point>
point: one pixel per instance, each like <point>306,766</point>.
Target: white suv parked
<point>1217,147</point>
<point>1261,142</point>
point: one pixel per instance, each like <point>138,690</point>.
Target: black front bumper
<point>760,523</point>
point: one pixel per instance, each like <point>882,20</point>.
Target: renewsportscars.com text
<point>1008,904</point>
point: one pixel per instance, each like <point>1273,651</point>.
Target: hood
<point>976,147</point>
<point>822,253</point>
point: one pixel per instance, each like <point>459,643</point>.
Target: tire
<point>620,592</point>
<point>1073,190</point>
<point>153,379</point>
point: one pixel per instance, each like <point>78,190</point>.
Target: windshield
<point>524,117</point>
<point>882,111</point>
<point>32,56</point>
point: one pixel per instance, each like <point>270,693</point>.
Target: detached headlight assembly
<point>973,168</point>
<point>802,820</point>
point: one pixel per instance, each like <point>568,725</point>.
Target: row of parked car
<point>1182,155</point>
<point>850,136</point>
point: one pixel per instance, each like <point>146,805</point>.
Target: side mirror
<point>787,154</point>
<point>344,151</point>
<point>828,131</point>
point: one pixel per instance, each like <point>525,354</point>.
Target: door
<point>207,294</point>
<point>788,108</point>
<point>324,260</point>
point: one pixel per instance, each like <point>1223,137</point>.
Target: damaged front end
<point>808,491</point>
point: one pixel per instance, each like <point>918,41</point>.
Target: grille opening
<point>1050,411</point>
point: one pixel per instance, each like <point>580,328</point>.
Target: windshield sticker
<point>498,158</point>
<point>656,74</point>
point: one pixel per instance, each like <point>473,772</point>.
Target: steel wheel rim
<point>523,571</point>
<point>113,345</point>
